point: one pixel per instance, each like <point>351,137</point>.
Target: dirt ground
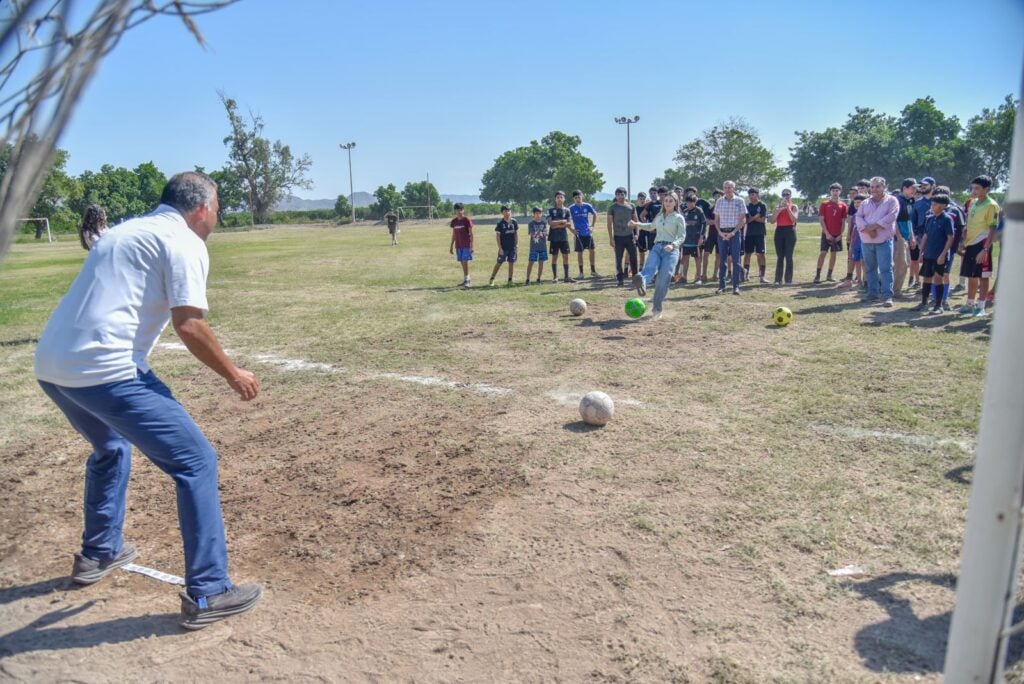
<point>401,537</point>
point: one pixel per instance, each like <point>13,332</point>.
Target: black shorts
<point>827,246</point>
<point>584,242</point>
<point>559,246</point>
<point>915,253</point>
<point>931,267</point>
<point>509,255</point>
<point>753,244</point>
<point>969,266</point>
<point>691,250</point>
<point>711,242</point>
<point>645,240</point>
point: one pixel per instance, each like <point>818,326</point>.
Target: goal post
<point>46,223</point>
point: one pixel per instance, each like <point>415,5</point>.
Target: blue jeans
<point>143,412</point>
<point>663,264</point>
<point>726,249</point>
<point>878,263</point>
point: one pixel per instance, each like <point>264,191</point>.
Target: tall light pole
<point>628,121</point>
<point>351,196</point>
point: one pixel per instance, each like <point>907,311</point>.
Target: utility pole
<point>430,214</point>
<point>628,121</point>
<point>351,195</point>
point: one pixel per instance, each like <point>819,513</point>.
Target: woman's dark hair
<point>94,222</point>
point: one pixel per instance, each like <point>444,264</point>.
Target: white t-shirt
<point>114,312</point>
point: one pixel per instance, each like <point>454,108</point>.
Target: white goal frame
<point>46,221</point>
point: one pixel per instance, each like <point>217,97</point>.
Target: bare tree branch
<point>36,107</point>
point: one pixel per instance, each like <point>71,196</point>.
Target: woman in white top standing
<point>94,224</point>
<point>663,257</point>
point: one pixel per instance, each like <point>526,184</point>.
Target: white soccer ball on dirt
<point>596,408</point>
<point>577,307</point>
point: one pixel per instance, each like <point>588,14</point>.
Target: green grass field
<point>689,540</point>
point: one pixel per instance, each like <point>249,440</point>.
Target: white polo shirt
<point>121,301</point>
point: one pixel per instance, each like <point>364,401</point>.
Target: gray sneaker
<point>638,283</point>
<point>89,571</point>
<point>198,613</point>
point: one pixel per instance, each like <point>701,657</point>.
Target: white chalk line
<point>926,441</point>
<point>300,365</point>
<point>155,574</point>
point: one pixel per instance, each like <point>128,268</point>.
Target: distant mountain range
<point>361,199</point>
<point>365,199</point>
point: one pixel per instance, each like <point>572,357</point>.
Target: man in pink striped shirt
<point>876,224</point>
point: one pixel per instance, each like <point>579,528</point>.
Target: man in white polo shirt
<point>91,361</point>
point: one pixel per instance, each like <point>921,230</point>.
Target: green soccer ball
<point>635,308</point>
<point>782,316</point>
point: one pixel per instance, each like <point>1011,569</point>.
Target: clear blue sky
<point>446,87</point>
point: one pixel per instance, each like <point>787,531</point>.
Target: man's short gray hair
<point>732,183</point>
<point>880,180</point>
<point>188,191</point>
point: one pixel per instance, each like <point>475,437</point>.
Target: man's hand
<point>451,249</point>
<point>669,247</point>
<point>245,383</point>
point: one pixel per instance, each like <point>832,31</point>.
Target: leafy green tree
<point>151,183</point>
<point>728,151</point>
<point>230,193</point>
<point>58,193</point>
<point>990,136</point>
<point>388,199</point>
<point>342,209</point>
<point>419,194</point>
<point>268,171</point>
<point>534,172</point>
<point>116,189</point>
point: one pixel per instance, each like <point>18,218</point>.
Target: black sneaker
<point>638,283</point>
<point>830,279</point>
<point>198,613</point>
<point>923,306</point>
<point>89,571</point>
<point>817,280</point>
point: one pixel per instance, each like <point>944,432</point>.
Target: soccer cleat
<point>958,288</point>
<point>923,306</point>
<point>638,283</point>
<point>491,284</point>
<point>656,314</point>
<point>979,312</point>
<point>966,309</point>
<point>830,279</point>
<point>720,290</point>
<point>763,280</point>
<point>204,611</point>
<point>817,279</point>
<point>936,310</point>
<point>89,571</point>
<point>699,281</point>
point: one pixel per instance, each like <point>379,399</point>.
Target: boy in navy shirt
<point>581,213</point>
<point>936,243</point>
<point>507,234</point>
<point>559,226</point>
<point>538,245</point>
<point>753,241</point>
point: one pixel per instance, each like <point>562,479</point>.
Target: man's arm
<point>196,335</point>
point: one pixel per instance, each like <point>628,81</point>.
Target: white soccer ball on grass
<point>577,307</point>
<point>596,408</point>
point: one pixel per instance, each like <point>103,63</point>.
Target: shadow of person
<point>27,591</point>
<point>40,635</point>
<point>904,642</point>
<point>613,324</point>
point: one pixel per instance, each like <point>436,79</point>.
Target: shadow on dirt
<point>906,643</point>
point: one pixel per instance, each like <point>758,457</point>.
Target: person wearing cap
<point>621,236</point>
<point>711,242</point>
<point>559,227</point>
<point>753,242</point>
<point>919,212</point>
<point>671,230</point>
<point>905,256</point>
<point>831,215</point>
<point>730,217</point>
<point>876,223</point>
<point>538,230</point>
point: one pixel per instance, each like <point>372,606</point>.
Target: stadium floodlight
<point>628,121</point>
<point>351,195</point>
